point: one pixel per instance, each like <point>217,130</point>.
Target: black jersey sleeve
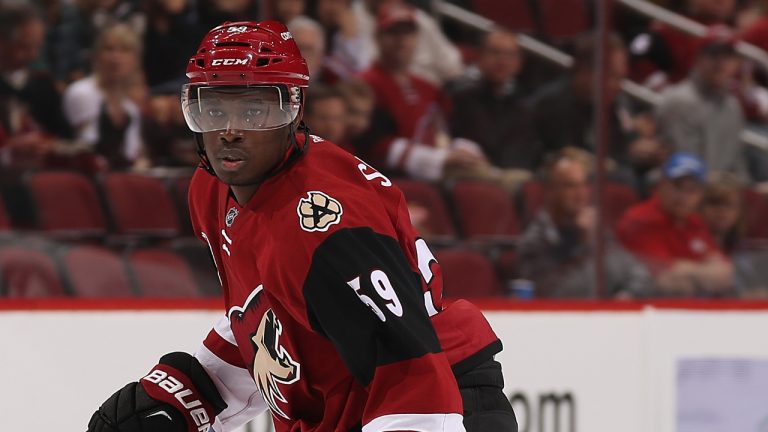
<point>362,294</point>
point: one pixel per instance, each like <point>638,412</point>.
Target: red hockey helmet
<point>245,75</point>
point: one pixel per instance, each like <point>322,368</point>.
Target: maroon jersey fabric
<point>334,303</point>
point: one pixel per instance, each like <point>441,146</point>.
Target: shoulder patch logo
<point>230,218</point>
<point>318,212</point>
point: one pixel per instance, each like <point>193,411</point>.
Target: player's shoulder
<point>331,188</point>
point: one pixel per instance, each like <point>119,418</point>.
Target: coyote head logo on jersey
<point>271,363</point>
<point>318,211</point>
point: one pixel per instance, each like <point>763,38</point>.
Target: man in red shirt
<point>334,316</point>
<point>409,133</point>
<point>671,238</point>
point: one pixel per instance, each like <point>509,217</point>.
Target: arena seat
<point>426,195</point>
<point>485,211</point>
<point>140,205</point>
<point>562,19</point>
<point>28,273</point>
<point>66,203</point>
<point>5,221</point>
<point>467,274</point>
<point>618,198</point>
<point>179,192</point>
<point>513,14</point>
<point>755,215</point>
<point>198,256</point>
<point>94,271</point>
<point>162,273</point>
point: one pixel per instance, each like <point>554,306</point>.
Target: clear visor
<point>259,108</point>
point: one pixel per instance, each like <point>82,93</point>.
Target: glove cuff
<point>174,387</point>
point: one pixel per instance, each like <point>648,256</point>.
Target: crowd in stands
<point>495,150</point>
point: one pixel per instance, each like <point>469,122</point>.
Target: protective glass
<point>257,108</point>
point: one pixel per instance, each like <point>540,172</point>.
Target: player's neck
<point>243,194</point>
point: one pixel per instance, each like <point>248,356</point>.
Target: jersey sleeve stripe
<point>223,349</point>
<point>416,422</point>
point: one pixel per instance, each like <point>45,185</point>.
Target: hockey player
<point>334,314</point>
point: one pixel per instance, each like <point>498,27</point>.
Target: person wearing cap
<point>700,115</point>
<point>671,238</point>
<point>333,315</point>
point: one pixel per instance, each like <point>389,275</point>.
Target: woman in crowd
<point>104,107</point>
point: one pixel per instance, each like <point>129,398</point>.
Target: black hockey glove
<point>176,396</point>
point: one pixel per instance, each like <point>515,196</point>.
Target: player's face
<point>244,157</point>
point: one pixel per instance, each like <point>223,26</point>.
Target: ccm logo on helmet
<point>176,388</point>
<point>229,62</point>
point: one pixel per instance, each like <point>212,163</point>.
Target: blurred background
<point>548,149</point>
<point>604,150</point>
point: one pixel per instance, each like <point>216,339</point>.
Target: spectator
<point>169,41</point>
<point>722,210</point>
<point>564,112</point>
<point>165,134</point>
<point>31,119</point>
<point>286,10</point>
<point>104,107</point>
<point>310,38</point>
<point>436,59</point>
<point>325,115</point>
<point>491,110</point>
<point>408,133</point>
<point>213,13</point>
<point>665,55</point>
<point>67,42</point>
<point>360,101</point>
<point>556,250</point>
<point>700,116</point>
<point>671,238</point>
<point>343,40</point>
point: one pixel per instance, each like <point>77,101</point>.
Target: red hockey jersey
<point>333,303</point>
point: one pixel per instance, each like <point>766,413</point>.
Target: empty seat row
<point>553,19</point>
<point>71,204</point>
<point>86,271</point>
<point>95,272</point>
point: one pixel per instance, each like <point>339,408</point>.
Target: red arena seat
<point>561,19</point>
<point>162,273</point>
<point>67,203</point>
<point>467,274</point>
<point>140,205</point>
<point>755,215</point>
<point>5,221</point>
<point>428,196</point>
<point>27,272</point>
<point>513,14</point>
<point>485,210</point>
<point>95,271</point>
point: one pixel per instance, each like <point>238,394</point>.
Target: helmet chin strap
<point>295,150</point>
